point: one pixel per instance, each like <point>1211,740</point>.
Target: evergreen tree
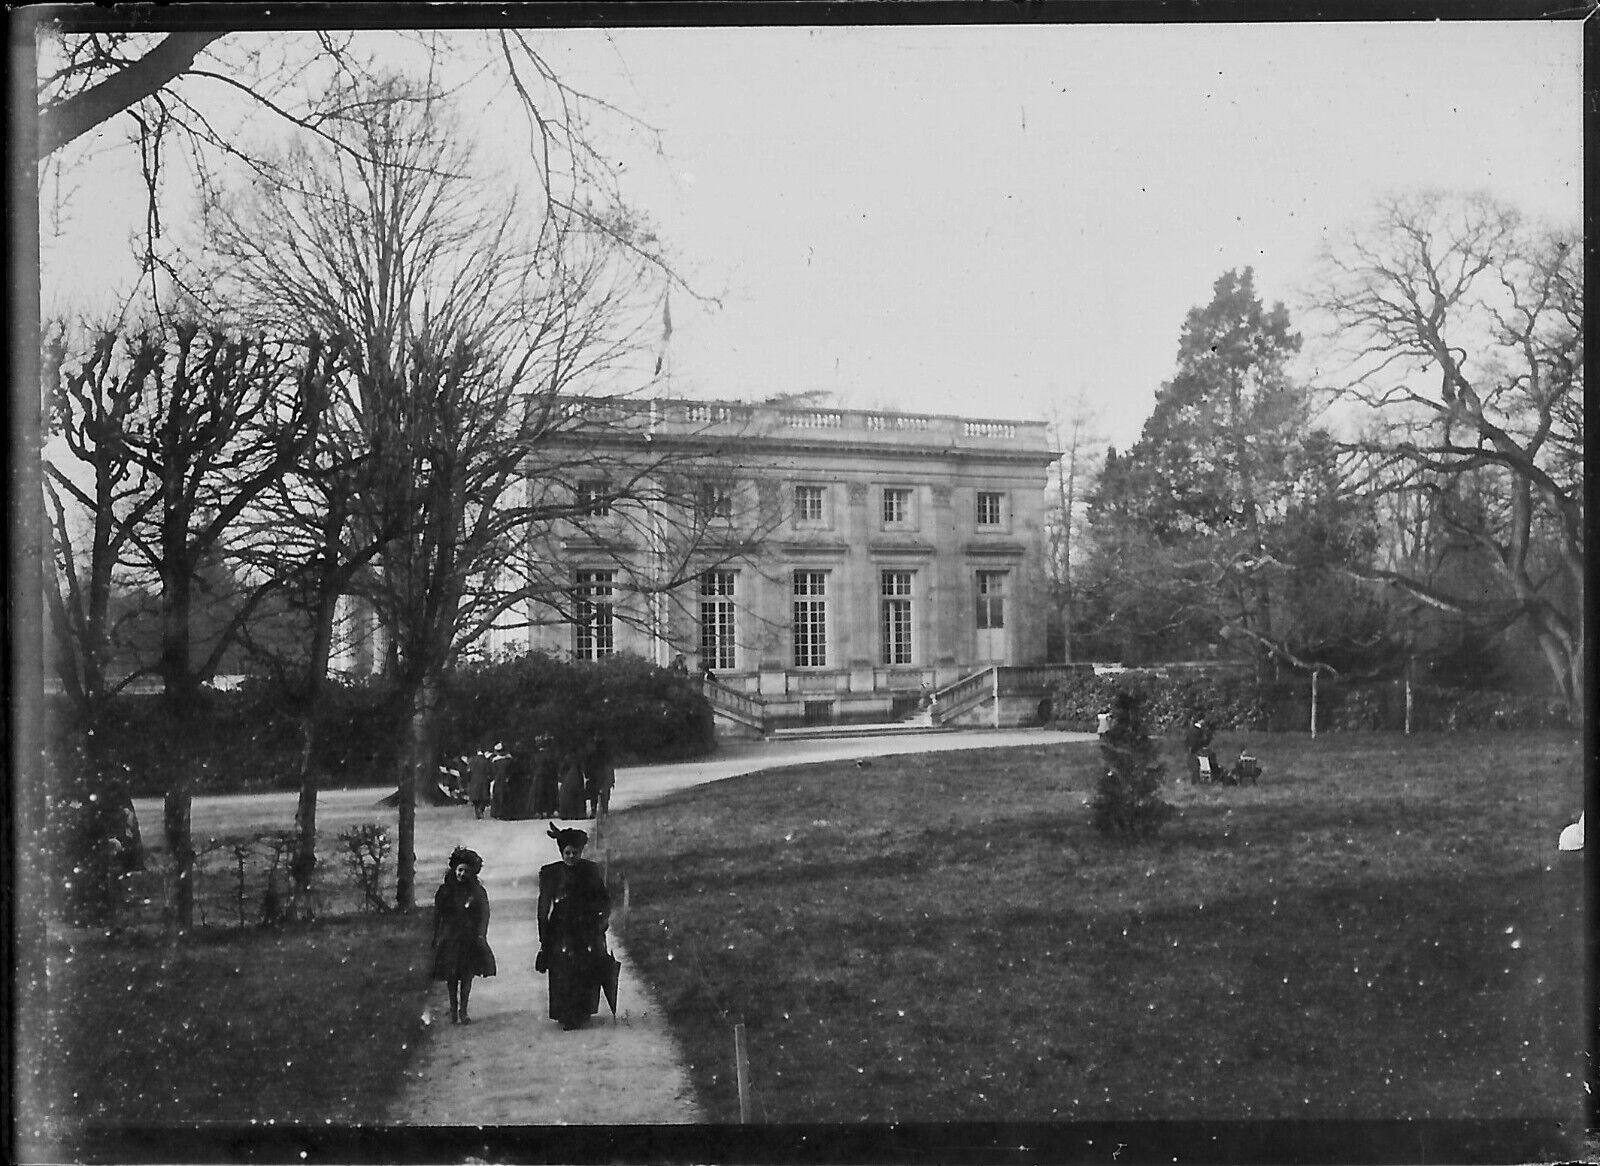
<point>1127,802</point>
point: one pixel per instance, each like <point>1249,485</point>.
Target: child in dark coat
<point>461,931</point>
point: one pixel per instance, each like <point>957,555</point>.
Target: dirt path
<point>515,1066</point>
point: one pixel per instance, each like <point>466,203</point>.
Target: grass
<point>1382,929</point>
<point>308,1025</point>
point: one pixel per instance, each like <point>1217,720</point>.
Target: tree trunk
<point>302,869</point>
<point>175,819</point>
<point>418,757</point>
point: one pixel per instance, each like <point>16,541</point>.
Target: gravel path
<point>513,1065</point>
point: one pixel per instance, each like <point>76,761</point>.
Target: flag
<point>666,330</point>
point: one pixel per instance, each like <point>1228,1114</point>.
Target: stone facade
<point>879,555</point>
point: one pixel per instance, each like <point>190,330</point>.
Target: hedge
<point>248,739</point>
<point>648,713</point>
<point>1240,701</point>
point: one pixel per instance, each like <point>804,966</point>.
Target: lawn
<point>308,1026</point>
<point>1382,929</point>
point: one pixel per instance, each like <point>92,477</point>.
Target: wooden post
<point>1408,698</point>
<point>741,1064</point>
<point>1314,674</point>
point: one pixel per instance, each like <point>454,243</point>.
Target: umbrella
<point>610,968</point>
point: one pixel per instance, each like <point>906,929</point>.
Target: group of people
<point>545,782</point>
<point>574,912</point>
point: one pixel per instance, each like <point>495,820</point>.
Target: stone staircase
<point>996,696</point>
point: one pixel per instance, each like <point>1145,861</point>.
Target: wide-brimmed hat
<point>470,857</point>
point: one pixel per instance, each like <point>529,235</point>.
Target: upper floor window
<point>713,500</point>
<point>809,503</point>
<point>991,508</point>
<point>594,498</point>
<point>896,505</point>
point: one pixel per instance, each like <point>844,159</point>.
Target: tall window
<point>989,507</point>
<point>896,505</point>
<point>810,619</point>
<point>991,599</point>
<point>594,498</point>
<point>714,500</point>
<point>716,620</point>
<point>808,502</point>
<point>593,615</point>
<point>897,617</point>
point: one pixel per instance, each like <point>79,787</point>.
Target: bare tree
<point>1070,435</point>
<point>187,92</point>
<point>1462,326</point>
<point>483,354</point>
<point>95,496</point>
<point>184,428</point>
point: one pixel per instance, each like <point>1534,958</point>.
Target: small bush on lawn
<point>1127,798</point>
<point>364,850</point>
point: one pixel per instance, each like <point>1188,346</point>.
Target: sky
<point>1003,221</point>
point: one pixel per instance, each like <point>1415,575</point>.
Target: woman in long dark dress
<point>546,778</point>
<point>599,775</point>
<point>570,804</point>
<point>574,912</point>
<point>461,931</point>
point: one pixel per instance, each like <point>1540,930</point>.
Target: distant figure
<point>574,912</point>
<point>511,786</point>
<point>570,803</point>
<point>499,765</point>
<point>1202,758</point>
<point>679,664</point>
<point>599,774</point>
<point>461,931</point>
<point>1572,837</point>
<point>706,673</point>
<point>1102,724</point>
<point>546,777</point>
<point>480,782</point>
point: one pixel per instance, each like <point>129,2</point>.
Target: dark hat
<point>569,837</point>
<point>462,855</point>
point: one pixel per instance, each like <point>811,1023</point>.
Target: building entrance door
<point>993,645</point>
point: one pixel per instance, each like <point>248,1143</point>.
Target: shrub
<point>366,856</point>
<point>1235,700</point>
<point>1127,801</point>
<point>648,713</point>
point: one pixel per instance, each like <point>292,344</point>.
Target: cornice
<point>759,445</point>
<point>995,550</point>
